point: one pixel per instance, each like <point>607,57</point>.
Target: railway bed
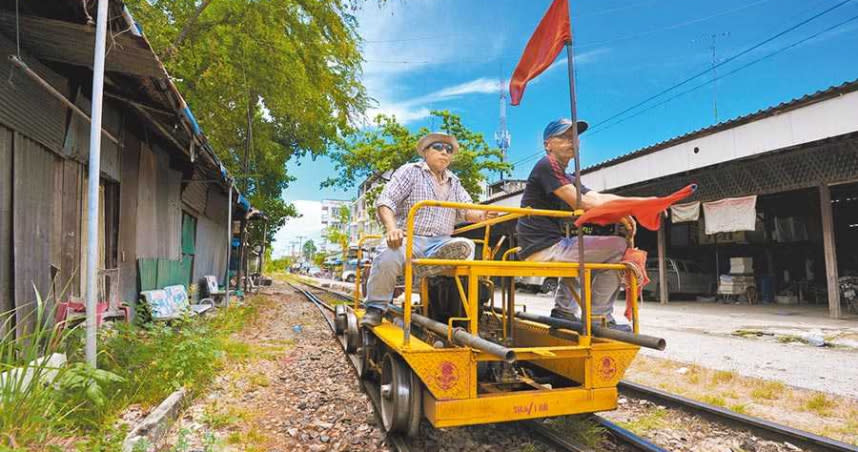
<point>773,436</point>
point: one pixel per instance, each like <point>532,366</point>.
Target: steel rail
<point>397,441</point>
<point>627,437</point>
<point>762,427</point>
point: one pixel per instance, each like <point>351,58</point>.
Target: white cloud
<point>399,44</point>
<point>308,226</point>
<point>581,58</point>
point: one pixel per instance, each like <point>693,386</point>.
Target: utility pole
<point>502,137</point>
<point>713,48</point>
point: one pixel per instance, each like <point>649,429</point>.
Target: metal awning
<point>71,43</point>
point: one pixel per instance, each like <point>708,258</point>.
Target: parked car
<point>683,276</point>
<point>537,283</point>
<point>349,270</point>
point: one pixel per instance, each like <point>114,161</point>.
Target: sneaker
<point>563,315</point>
<point>457,248</point>
<point>624,327</point>
<point>371,318</point>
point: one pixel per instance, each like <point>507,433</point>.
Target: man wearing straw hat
<point>428,179</point>
<point>550,187</point>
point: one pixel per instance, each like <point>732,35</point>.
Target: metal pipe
<point>228,240</point>
<point>93,182</point>
<point>579,196</point>
<point>20,64</point>
<point>463,338</point>
<point>643,340</point>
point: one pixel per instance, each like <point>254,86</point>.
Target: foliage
<point>30,407</point>
<point>309,250</point>
<point>389,145</point>
<point>268,80</point>
<point>281,264</point>
<point>338,235</point>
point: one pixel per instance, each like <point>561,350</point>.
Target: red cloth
<point>637,259</point>
<point>551,35</point>
<point>647,212</point>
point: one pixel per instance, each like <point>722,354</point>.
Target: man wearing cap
<point>550,187</point>
<point>428,179</point>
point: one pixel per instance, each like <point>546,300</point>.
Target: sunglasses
<point>439,146</point>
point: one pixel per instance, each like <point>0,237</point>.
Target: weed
<point>713,400</point>
<point>768,390</point>
<point>722,376</point>
<point>219,418</point>
<point>260,380</point>
<point>740,408</point>
<point>791,338</point>
<point>820,403</point>
<point>654,420</point>
<point>582,430</point>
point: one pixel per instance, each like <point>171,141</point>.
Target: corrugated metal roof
<point>71,43</point>
<point>792,104</point>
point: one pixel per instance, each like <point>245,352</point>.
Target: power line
<point>723,62</point>
<point>744,66</point>
<point>699,74</point>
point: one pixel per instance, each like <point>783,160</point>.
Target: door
<point>189,238</point>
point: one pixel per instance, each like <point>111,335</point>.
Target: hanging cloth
<point>731,214</point>
<point>681,213</point>
<point>646,211</point>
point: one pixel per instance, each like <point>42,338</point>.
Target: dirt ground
<point>822,413</point>
<point>290,394</point>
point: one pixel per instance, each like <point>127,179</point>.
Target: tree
<point>268,80</point>
<point>389,145</point>
<point>309,249</point>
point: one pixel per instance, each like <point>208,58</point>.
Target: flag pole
<point>578,202</point>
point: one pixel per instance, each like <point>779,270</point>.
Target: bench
<point>210,290</point>
<point>172,302</point>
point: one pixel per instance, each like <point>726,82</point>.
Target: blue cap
<point>560,126</point>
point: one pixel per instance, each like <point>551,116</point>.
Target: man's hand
<point>394,238</point>
<point>630,224</point>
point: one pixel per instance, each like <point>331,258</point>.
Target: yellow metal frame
<point>595,364</point>
<point>476,268</point>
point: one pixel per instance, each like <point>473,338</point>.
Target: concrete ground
<point>774,341</point>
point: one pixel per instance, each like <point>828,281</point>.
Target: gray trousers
<point>605,283</point>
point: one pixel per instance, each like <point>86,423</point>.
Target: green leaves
<point>389,145</point>
<point>268,80</point>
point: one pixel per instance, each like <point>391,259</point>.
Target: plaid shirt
<point>412,183</point>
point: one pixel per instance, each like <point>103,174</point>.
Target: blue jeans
<point>390,263</point>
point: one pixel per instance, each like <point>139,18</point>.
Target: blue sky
<point>450,54</point>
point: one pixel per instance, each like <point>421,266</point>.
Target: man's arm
<point>394,193</point>
<point>393,235</point>
<point>592,199</point>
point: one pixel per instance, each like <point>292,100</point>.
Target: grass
<point>136,365</point>
<point>654,420</point>
<point>790,338</point>
<point>740,408</point>
<point>722,376</point>
<point>714,400</point>
<point>581,430</point>
<point>820,403</point>
<point>768,390</point>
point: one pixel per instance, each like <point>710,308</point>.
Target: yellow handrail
<point>357,267</point>
<point>512,213</point>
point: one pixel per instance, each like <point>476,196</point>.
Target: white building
<point>331,218</point>
<point>363,218</point>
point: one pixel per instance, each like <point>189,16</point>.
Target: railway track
<point>761,427</point>
<point>545,434</point>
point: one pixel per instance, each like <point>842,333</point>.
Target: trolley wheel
<point>401,397</point>
<point>367,353</point>
<point>340,318</point>
<point>352,333</point>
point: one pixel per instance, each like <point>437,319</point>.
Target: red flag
<point>648,211</point>
<point>547,41</point>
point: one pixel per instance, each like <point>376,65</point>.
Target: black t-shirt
<point>537,233</point>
